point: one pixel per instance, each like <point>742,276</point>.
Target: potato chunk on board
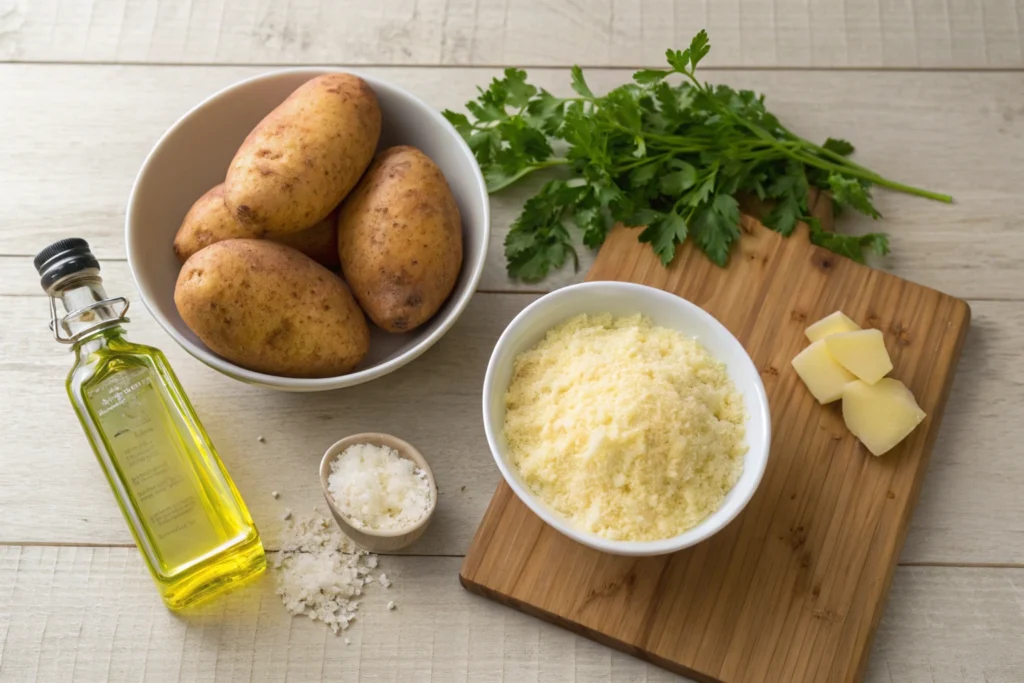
<point>824,377</point>
<point>881,414</point>
<point>830,324</point>
<point>861,352</point>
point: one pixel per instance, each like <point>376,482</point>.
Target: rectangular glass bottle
<point>188,519</point>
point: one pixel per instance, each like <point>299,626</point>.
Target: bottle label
<point>147,448</point>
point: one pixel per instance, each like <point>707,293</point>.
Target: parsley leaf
<point>664,151</point>
<point>839,146</point>
<point>853,193</point>
<point>646,76</point>
<point>664,233</point>
<point>578,84</point>
<point>716,227</point>
<point>676,182</point>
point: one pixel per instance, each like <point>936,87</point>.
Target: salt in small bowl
<point>378,540</point>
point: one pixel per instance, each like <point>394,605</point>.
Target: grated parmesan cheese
<point>320,572</point>
<point>376,488</point>
<point>633,432</point>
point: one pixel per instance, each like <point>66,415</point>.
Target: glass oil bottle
<point>188,520</point>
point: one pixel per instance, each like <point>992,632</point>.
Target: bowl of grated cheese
<point>626,417</point>
<point>379,489</point>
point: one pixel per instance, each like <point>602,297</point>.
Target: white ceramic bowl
<point>193,156</point>
<point>665,310</point>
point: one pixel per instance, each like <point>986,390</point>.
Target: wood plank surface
<point>970,511</point>
<point>71,170</point>
<point>90,614</point>
<point>747,33</point>
<point>92,85</point>
<point>793,589</point>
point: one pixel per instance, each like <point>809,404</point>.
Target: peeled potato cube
<point>824,377</point>
<point>862,353</point>
<point>880,414</point>
<point>830,324</point>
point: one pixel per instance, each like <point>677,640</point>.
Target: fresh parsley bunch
<point>670,157</point>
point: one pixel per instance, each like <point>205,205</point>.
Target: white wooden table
<point>931,93</point>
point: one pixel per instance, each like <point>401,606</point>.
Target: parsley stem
<point>504,181</point>
<point>644,162</point>
<point>873,178</point>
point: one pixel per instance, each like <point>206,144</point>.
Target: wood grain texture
<point>76,136</point>
<point>91,614</point>
<point>793,589</point>
<point>70,169</point>
<point>749,33</point>
<point>970,509</point>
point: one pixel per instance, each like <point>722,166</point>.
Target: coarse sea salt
<point>320,572</point>
<point>376,488</point>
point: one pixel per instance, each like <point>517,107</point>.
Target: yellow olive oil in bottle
<point>188,520</point>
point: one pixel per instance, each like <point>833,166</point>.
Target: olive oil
<point>188,519</point>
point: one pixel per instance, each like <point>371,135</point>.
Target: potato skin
<point>319,243</point>
<point>400,239</point>
<point>304,157</point>
<point>269,308</point>
<point>209,221</point>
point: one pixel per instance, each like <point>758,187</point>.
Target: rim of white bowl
<point>203,354</point>
<point>707,527</point>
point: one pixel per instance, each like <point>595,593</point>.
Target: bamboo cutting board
<point>792,590</point>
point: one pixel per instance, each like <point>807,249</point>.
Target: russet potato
<point>209,221</point>
<point>400,239</point>
<point>270,308</point>
<point>304,156</point>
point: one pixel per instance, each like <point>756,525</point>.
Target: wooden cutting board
<point>792,590</point>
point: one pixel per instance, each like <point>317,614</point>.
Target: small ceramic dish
<point>665,310</point>
<point>378,541</point>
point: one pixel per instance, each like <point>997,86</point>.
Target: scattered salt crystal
<point>391,605</point>
<point>320,572</point>
<point>371,562</point>
<point>261,439</point>
<point>347,641</point>
<point>384,580</point>
<point>376,488</point>
<point>287,514</point>
<point>275,494</point>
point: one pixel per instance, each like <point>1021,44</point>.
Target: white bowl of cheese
<point>663,310</point>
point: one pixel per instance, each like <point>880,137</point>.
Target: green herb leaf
<point>666,156</point>
<point>699,47</point>
<point>518,90</point>
<point>664,234</point>
<point>578,84</point>
<point>785,215</point>
<point>853,193</point>
<point>838,146</point>
<point>675,183</point>
<point>641,175</point>
<point>850,246</point>
<point>716,226</point>
<point>646,76</point>
<point>679,61</point>
<point>459,121</point>
<point>538,240</point>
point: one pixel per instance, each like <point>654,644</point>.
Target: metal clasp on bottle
<point>58,324</point>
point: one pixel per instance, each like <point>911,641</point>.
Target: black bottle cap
<point>63,258</point>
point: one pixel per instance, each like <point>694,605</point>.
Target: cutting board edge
<point>577,628</point>
<point>938,414</point>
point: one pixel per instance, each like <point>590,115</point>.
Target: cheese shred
<point>631,431</point>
